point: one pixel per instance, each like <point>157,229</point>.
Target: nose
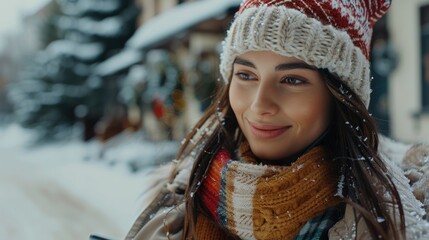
<point>264,100</point>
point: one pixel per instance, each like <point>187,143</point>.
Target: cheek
<point>318,114</point>
<point>325,108</point>
<point>312,111</point>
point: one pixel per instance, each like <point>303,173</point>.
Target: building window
<point>424,30</point>
<point>383,62</point>
<point>157,7</point>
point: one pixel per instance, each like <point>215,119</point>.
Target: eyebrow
<point>280,67</point>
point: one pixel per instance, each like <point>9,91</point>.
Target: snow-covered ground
<point>66,191</point>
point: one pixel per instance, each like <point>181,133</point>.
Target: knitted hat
<point>328,34</point>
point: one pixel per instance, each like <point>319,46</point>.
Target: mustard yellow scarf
<point>247,200</point>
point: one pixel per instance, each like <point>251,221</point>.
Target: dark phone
<point>97,237</point>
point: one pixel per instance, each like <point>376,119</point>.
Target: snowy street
<point>34,204</point>
<point>62,191</point>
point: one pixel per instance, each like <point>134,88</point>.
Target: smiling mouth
<point>267,131</point>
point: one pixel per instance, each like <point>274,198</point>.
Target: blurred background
<point>96,93</point>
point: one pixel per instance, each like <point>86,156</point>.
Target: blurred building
<point>185,36</point>
<point>153,8</point>
<point>408,24</point>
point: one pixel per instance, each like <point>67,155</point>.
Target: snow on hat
<point>328,34</point>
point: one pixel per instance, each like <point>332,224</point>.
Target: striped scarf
<point>254,201</point>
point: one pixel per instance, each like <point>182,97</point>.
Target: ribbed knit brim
<point>291,33</point>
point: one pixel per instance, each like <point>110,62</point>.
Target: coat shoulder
<point>399,159</point>
<point>162,203</point>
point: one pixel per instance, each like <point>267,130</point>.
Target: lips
<point>266,131</point>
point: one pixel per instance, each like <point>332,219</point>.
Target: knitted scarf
<point>247,200</point>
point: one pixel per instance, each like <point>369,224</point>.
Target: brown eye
<point>293,81</point>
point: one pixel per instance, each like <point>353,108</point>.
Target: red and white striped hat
<point>329,34</point>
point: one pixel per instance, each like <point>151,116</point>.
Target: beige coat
<point>167,208</point>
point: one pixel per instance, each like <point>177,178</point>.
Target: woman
<point>288,149</point>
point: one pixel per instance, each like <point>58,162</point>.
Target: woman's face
<point>281,103</point>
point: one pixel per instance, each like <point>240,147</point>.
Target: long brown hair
<point>352,139</point>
